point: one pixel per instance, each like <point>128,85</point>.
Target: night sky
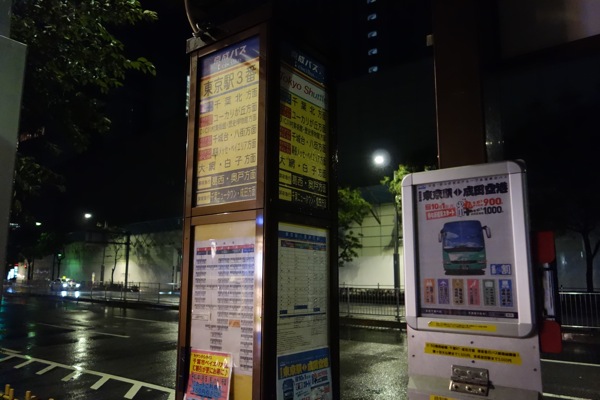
<point>136,172</point>
<point>542,106</point>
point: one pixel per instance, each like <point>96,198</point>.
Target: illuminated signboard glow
<point>228,122</point>
<point>303,132</point>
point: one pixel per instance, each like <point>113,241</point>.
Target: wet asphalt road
<point>76,351</point>
<point>373,364</point>
<point>68,350</point>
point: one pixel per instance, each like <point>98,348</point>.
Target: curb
<point>115,303</point>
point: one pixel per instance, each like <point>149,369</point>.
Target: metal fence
<point>377,301</point>
<point>143,292</point>
<point>580,310</point>
<point>147,292</point>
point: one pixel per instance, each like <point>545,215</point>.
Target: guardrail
<point>580,309</point>
<point>377,301</point>
<point>159,293</point>
<point>143,292</point>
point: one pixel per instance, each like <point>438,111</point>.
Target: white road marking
<point>23,364</point>
<point>110,334</point>
<point>571,362</point>
<point>136,385</point>
<point>143,320</point>
<point>92,332</point>
<point>70,376</point>
<point>9,350</point>
<point>133,391</point>
<point>560,396</point>
<point>100,382</point>
<point>48,368</point>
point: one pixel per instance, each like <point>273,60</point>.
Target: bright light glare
<point>381,158</point>
<point>87,215</point>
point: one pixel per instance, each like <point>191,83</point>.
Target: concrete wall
<point>154,258</point>
<point>570,262</point>
<point>374,265</point>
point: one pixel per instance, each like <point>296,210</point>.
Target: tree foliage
<point>74,61</point>
<point>352,209</point>
<point>394,184</point>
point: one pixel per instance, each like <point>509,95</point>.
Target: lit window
<point>372,51</point>
<point>372,17</point>
<point>373,69</point>
<point>372,34</point>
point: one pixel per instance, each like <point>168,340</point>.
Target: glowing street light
<point>381,158</point>
<point>87,215</point>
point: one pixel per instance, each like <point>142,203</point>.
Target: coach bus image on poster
<point>463,247</point>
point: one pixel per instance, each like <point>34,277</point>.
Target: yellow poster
<point>228,125</point>
<point>474,353</point>
<point>210,375</point>
<point>303,132</point>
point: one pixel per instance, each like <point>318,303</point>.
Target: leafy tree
<point>115,249</point>
<point>32,243</point>
<point>74,61</point>
<point>352,209</point>
<point>394,183</point>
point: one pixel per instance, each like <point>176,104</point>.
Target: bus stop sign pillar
<point>469,293</point>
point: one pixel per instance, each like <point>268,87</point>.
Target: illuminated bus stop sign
<point>466,251</point>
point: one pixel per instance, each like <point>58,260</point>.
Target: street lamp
<point>58,257</point>
<point>87,215</point>
<point>381,158</point>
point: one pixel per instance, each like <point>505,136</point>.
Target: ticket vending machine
<point>470,311</point>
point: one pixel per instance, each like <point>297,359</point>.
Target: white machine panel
<point>469,292</point>
<point>467,251</point>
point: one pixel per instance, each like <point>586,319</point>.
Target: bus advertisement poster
<point>304,375</point>
<point>465,247</point>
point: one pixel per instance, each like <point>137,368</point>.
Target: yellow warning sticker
<point>438,397</point>
<point>462,326</point>
<point>473,353</point>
